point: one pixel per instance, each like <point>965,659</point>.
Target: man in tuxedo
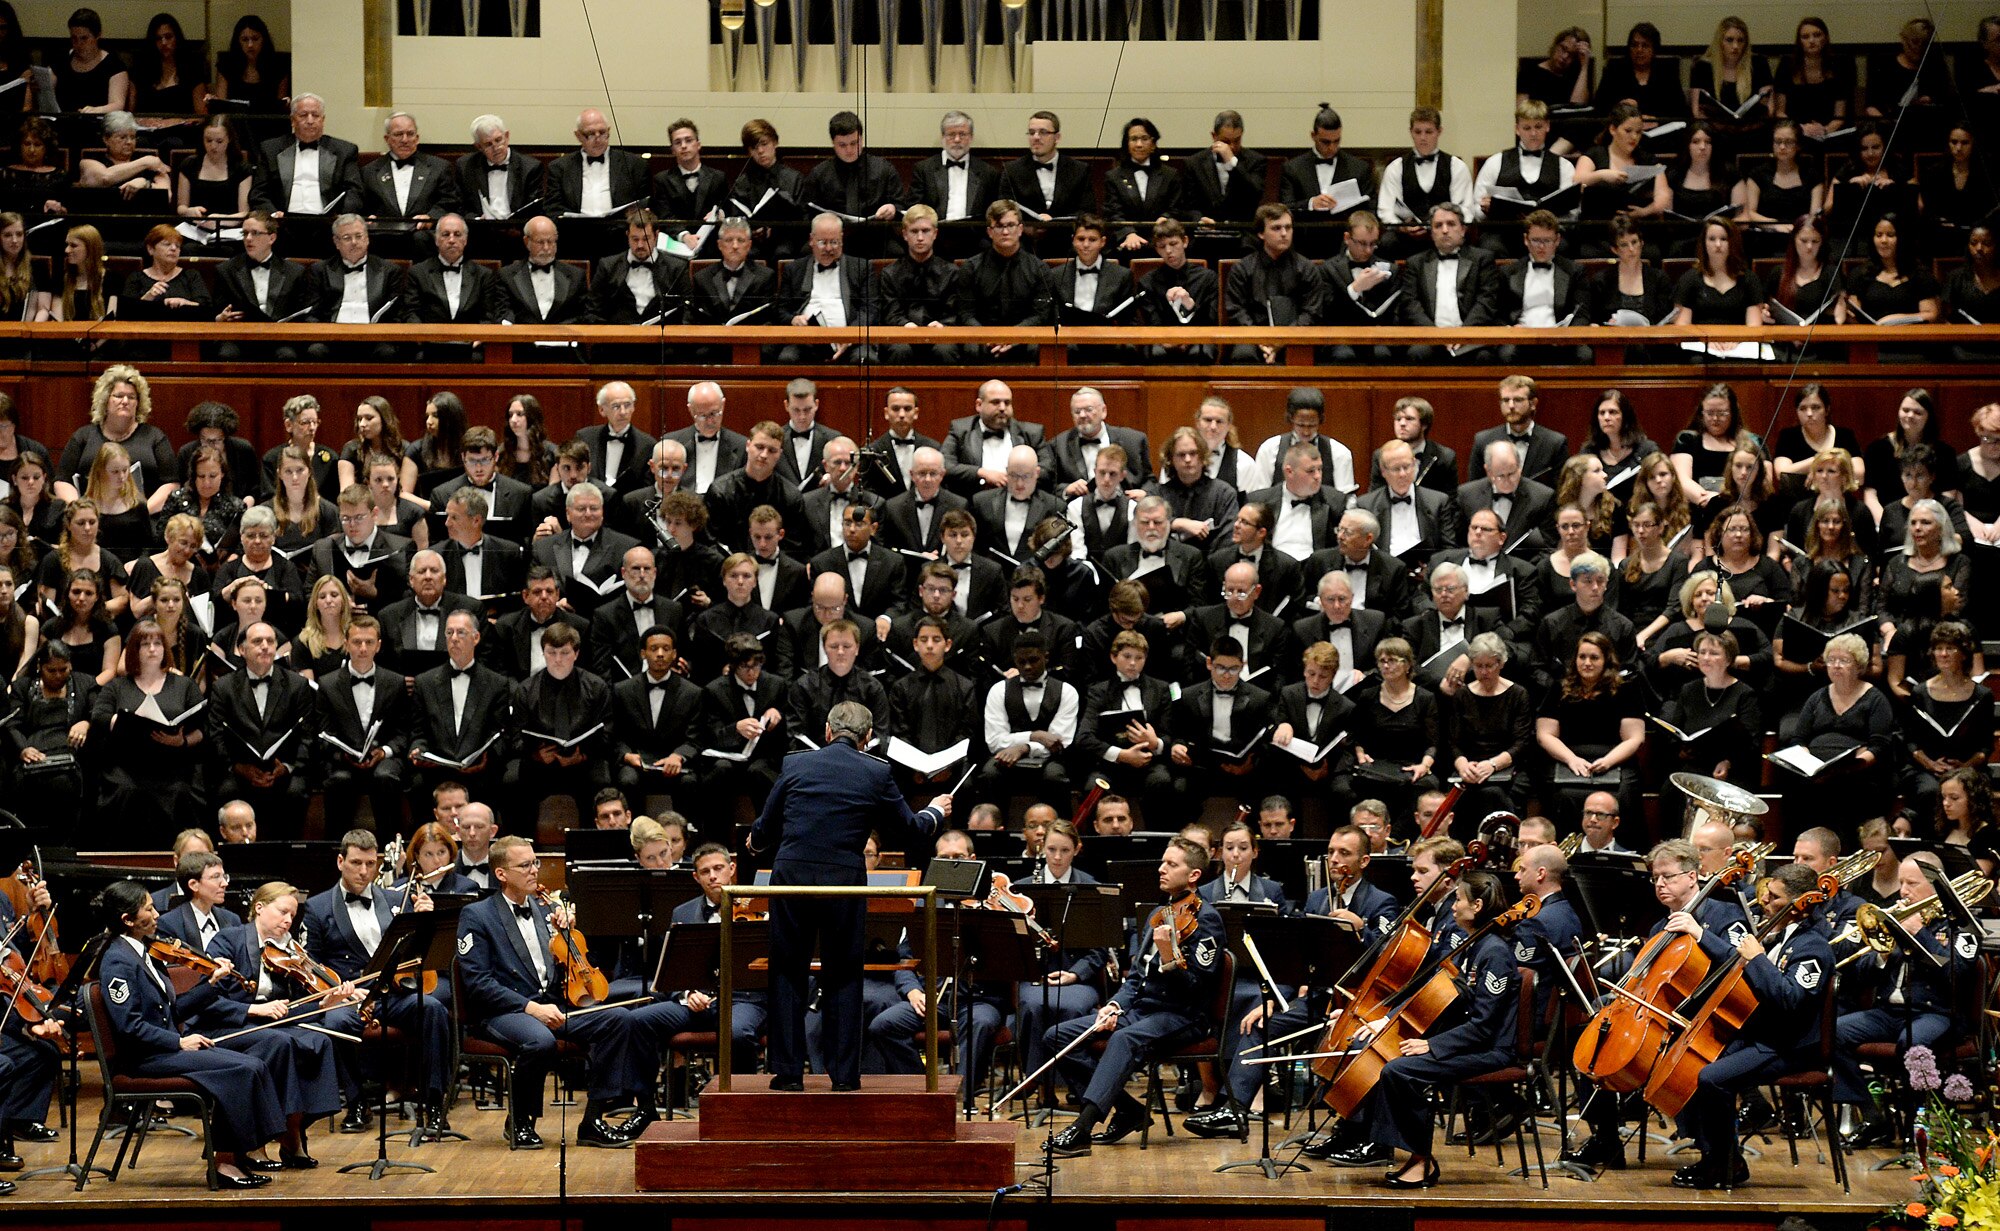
<point>1447,621</point>
<point>638,513</point>
<point>1273,285</point>
<point>1099,288</point>
<point>593,178</point>
<point>806,438</point>
<point>371,562</point>
<point>1527,509</point>
<point>952,182</point>
<point>260,723</point>
<point>1417,180</point>
<point>1304,512</point>
<point>1269,652</point>
<point>641,285</point>
<point>1437,465</point>
<point>364,724</point>
<point>257,286</point>
<point>541,290</point>
<point>1069,460</point>
<point>307,172</point>
<point>1543,292</point>
<point>355,288</point>
<point>937,584</point>
<point>653,717</point>
<point>1381,581</point>
<point>826,506</point>
<point>496,182</point>
<point>1351,630</point>
<point>618,451</point>
<point>830,288</point>
<point>1308,182</point>
<point>1227,183</point>
<point>572,467</point>
<point>688,190</point>
<point>619,626</point>
<point>513,645</point>
<point>979,586</point>
<point>1361,288</point>
<point>1527,167</point>
<point>1006,285</point>
<point>1280,579</point>
<point>1212,722</point>
<point>464,720</point>
<point>854,182</point>
<point>712,449</point>
<point>919,290</point>
<point>1415,520</point>
<point>1045,183</point>
<point>1132,755</point>
<point>479,565</point>
<point>1174,573</point>
<point>1305,412</point>
<point>1177,294</point>
<point>1484,567</point>
<point>893,454</point>
<point>742,707</point>
<point>1542,450</point>
<point>413,626</point>
<point>407,183</point>
<point>1008,516</point>
<point>755,482</point>
<point>977,447</point>
<point>1102,515</point>
<point>782,581</point>
<point>447,288</point>
<point>586,557</point>
<point>1452,285</point>
<point>1030,723</point>
<point>733,285</point>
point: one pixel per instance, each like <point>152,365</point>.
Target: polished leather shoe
<point>1362,1154</point>
<point>356,1120</point>
<point>638,1122</point>
<point>1124,1122</point>
<point>261,1164</point>
<point>793,1085</point>
<point>1428,1179</point>
<point>1071,1142</point>
<point>33,1131</point>
<point>1340,1137</point>
<point>10,1161</point>
<point>1873,1131</point>
<point>524,1137</point>
<point>248,1179</point>
<point>1756,1115</point>
<point>298,1162</point>
<point>6,1188</point>
<point>846,1087</point>
<point>1598,1151</point>
<point>597,1131</point>
<point>1223,1121</point>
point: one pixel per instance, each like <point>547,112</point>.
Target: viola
<point>1726,1002</point>
<point>289,956</point>
<point>583,983</point>
<point>49,963</point>
<point>1183,915</point>
<point>173,953</point>
<point>1617,1047</point>
<point>20,995</point>
<point>1001,895</point>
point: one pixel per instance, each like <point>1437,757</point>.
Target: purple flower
<point>1921,1065</point>
<point>1957,1088</point>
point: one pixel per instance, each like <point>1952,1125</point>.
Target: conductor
<point>817,820</point>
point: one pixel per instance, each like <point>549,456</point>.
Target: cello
<point>1618,1046</point>
<point>1727,1002</point>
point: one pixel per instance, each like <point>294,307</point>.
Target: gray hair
<point>1368,522</point>
<point>300,98</point>
<point>1146,504</point>
<point>471,500</point>
<point>258,517</point>
<point>851,718</point>
<point>700,385</point>
<point>604,391</point>
<point>1590,562</point>
<point>393,116</point>
<point>1447,207</point>
<point>484,126</point>
<point>1851,645</point>
<point>344,219</point>
<point>1445,570</point>
<point>119,122</point>
<point>954,117</point>
<point>731,224</point>
<point>1487,645</point>
<point>1948,543</point>
<point>579,492</point>
<point>1501,443</point>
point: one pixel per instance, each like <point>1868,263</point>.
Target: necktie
<point>265,682</point>
<point>360,899</point>
<point>354,269</point>
<point>1083,272</point>
<point>659,685</point>
<point>264,264</point>
<point>826,269</point>
<point>452,269</point>
<point>541,269</point>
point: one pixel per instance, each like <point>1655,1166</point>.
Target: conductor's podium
<point>890,1136</point>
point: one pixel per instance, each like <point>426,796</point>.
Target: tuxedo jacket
<point>1342,308</point>
<point>1125,204</point>
<point>985,590</point>
<point>1479,288</point>
<point>715,302</point>
<point>1439,522</point>
<point>857,284</point>
<point>1388,586</point>
<point>633,468</point>
<point>788,459</point>
<point>793,587</point>
<point>1336,714</point>
<point>930,185</point>
<point>433,188</point>
<point>674,201</point>
<point>1186,581</point>
<point>614,641</point>
<point>503,567</point>
<point>1426,637</point>
<point>883,589</point>
<point>1199,281</point>
<point>524,183</point>
<point>425,301</point>
<point>800,630</point>
<point>899,652</point>
<point>611,301</point>
<point>328,280</point>
<point>634,730</point>
<point>1547,450</point>
<point>1073,195</point>
<point>1298,183</point>
<point>1326,514</point>
<point>817,532</point>
<point>1062,455</point>
<point>901,527</point>
<point>1273,652</point>
<point>1527,597</point>
<point>1203,194</point>
<point>489,712</point>
<point>1114,287</point>
<point>339,717</point>
<point>1365,627</point>
<point>401,623</point>
<point>731,451</point>
<point>606,557</point>
<point>989,509</point>
<point>965,445</point>
<point>1571,288</point>
<point>234,289</point>
<point>722,707</point>
<point>237,734</point>
<point>1531,519</point>
<point>1281,578</point>
<point>1156,698</point>
<point>562,183</point>
<point>1193,714</point>
<point>509,510</point>
<point>508,646</point>
<point>1437,468</point>
<point>339,170</point>
<point>517,303</point>
<point>391,573</point>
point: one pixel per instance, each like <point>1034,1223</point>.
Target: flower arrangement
<point>1959,1173</point>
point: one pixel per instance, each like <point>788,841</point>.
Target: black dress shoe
<point>1340,1137</point>
<point>33,1131</point>
<point>524,1137</point>
<point>1600,1151</point>
<point>1873,1131</point>
<point>1362,1154</point>
<point>1429,1178</point>
<point>298,1162</point>
<point>846,1087</point>
<point>638,1122</point>
<point>262,1164</point>
<point>1501,1130</point>
<point>6,1188</point>
<point>1222,1121</point>
<point>248,1179</point>
<point>793,1085</point>
<point>597,1131</point>
<point>1071,1142</point>
<point>1756,1115</point>
<point>10,1161</point>
<point>356,1120</point>
<point>1125,1121</point>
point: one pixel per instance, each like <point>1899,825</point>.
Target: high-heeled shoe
<point>247,1180</point>
<point>1430,1177</point>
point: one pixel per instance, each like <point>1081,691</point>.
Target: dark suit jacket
<point>1527,598</point>
<point>902,528</point>
<point>391,574</point>
<point>1437,468</point>
<point>1125,204</point>
<point>509,509</point>
<point>328,279</point>
<point>844,794</point>
<point>1193,714</point>
<point>674,202</point>
<point>1114,287</point>
<point>792,589</point>
<point>788,459</point>
<point>503,566</point>
<point>1341,307</point>
<point>433,188</point>
<point>885,587</point>
<point>1062,456</point>
<point>179,923</point>
<point>817,532</point>
<point>489,712</point>
<point>1204,196</point>
<point>1156,698</point>
<point>1256,284</point>
<point>1282,578</point>
<point>965,444</point>
<point>633,728</point>
<point>1073,195</point>
<point>562,183</point>
<point>1547,450</point>
<point>1422,632</point>
<point>1273,653</point>
<point>338,716</point>
<point>731,451</point>
<point>233,289</point>
<point>507,647</point>
<point>339,170</point>
<point>712,303</point>
<point>614,639</point>
<point>1388,579</point>
<point>985,590</point>
<point>516,296</point>
<point>1571,287</point>
<point>425,302</point>
<point>1438,519</point>
<point>1298,183</point>
<point>1365,627</point>
<point>857,286</point>
<point>611,301</point>
<point>524,182</point>
<point>1199,281</point>
<point>607,555</point>
<point>1479,288</point>
<point>1336,714</point>
<point>495,970</point>
<point>1530,529</point>
<point>722,709</point>
<point>399,632</point>
<point>237,735</point>
<point>1325,515</point>
<point>633,472</point>
<point>1187,581</point>
<point>989,510</point>
<point>930,185</point>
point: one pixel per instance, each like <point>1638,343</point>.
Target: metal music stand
<point>1283,946</point>
<point>1079,917</point>
<point>84,968</point>
<point>429,940</point>
<point>991,946</point>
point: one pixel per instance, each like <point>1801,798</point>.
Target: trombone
<point>1881,931</point>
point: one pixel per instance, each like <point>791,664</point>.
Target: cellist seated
<point>1475,1036</point>
<point>1167,1002</point>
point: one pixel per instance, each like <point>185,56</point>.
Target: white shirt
<point>1481,575</point>
<point>705,453</point>
<point>1447,293</point>
<point>1389,200</point>
<point>206,926</point>
<point>364,698</point>
<point>1063,726</point>
<point>614,457</point>
<point>1218,724</point>
<point>1085,299</point>
<point>1045,175</point>
<point>767,582</point>
<point>1240,629</point>
<point>1402,531</point>
<point>905,452</point>
<point>958,181</point>
<point>801,455</point>
<point>857,573</point>
<point>1015,519</point>
<point>147,964</point>
<point>1342,639</point>
<point>353,297</point>
<point>430,627</point>
<point>1271,461</point>
<point>1531,169</point>
<point>496,193</point>
<point>535,660</point>
<point>1315,706</point>
<point>532,940</point>
<point>399,179</point>
<point>461,684</point>
<point>474,566</point>
<point>304,198</point>
<point>825,300</point>
<point>454,281</point>
<point>597,187</point>
<point>367,928</point>
<point>1142,177</point>
<point>963,588</point>
<point>639,279</point>
<point>654,697</point>
<point>1294,532</point>
<point>260,285</point>
<point>1538,298</point>
<point>1222,169</point>
<point>543,279</point>
<point>260,700</point>
<point>1451,632</point>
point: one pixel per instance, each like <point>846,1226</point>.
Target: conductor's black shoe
<point>793,1085</point>
<point>524,1137</point>
<point>597,1131</point>
<point>638,1122</point>
<point>1224,1120</point>
<point>1362,1154</point>
<point>1126,1119</point>
<point>33,1130</point>
<point>355,1121</point>
<point>1072,1142</point>
<point>846,1087</point>
<point>1602,1150</point>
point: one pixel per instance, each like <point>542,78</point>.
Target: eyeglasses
<point>1661,878</point>
<point>1003,226</point>
<point>1602,816</point>
<point>1236,594</point>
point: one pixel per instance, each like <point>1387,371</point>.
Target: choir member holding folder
<point>153,718</point>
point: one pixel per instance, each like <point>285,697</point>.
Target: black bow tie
<point>623,438</point>
<point>452,269</point>
<point>263,681</point>
<point>1519,440</point>
<point>360,899</point>
<point>1112,503</point>
<point>359,680</point>
<point>1409,498</point>
<point>826,269</point>
<point>473,550</point>
<point>524,911</point>
<point>593,160</point>
<point>955,164</point>
<point>1447,256</point>
<point>354,269</point>
<point>1144,554</point>
<point>1090,271</point>
<point>633,262</point>
<point>492,167</point>
<point>401,163</point>
<point>1542,265</point>
<point>1423,160</point>
<point>309,147</point>
<point>586,544</point>
<point>793,433</point>
<point>1524,152</point>
<point>994,433</point>
<point>266,263</point>
<point>1458,623</point>
<point>458,672</point>
<point>731,275</point>
<point>541,269</point>
<point>1017,500</point>
<point>660,685</point>
<point>1050,165</point>
<point>857,557</point>
<point>1327,162</point>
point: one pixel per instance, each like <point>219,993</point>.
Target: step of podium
<point>892,1135</point>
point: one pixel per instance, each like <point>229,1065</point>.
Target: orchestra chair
<point>1208,1048</point>
<point>685,1046</point>
<point>1522,1077</point>
<point>1962,1055</point>
<point>1817,1083</point>
<point>133,1097</point>
<point>472,1048</point>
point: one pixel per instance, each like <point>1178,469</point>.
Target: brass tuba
<point>1712,800</point>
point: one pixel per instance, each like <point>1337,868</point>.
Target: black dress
<point>1885,472</point>
<point>1655,594</point>
<point>145,789</point>
<point>1879,299</point>
<point>1765,576</point>
<point>1679,635</point>
<point>1790,445</point>
<point>1849,792</point>
<point>89,88</point>
<point>1963,298</point>
<point>1480,729</point>
<point>156,99</point>
<point>1713,307</point>
<point>1699,202</point>
<point>26,192</point>
<point>1812,102</point>
<point>1732,723</point>
<point>1590,727</point>
<point>147,444</point>
<point>128,535</point>
<point>221,198</point>
<point>1654,301</point>
<point>1899,583</point>
<point>1812,297</point>
<point>1784,204</point>
<point>1396,738</point>
<point>1603,201</point>
<point>1860,585</point>
<point>1949,210</point>
<point>1660,96</point>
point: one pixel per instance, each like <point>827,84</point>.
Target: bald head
<point>1024,470</point>
<point>829,591</point>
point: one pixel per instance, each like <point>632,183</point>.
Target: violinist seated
<point>342,927</point>
<point>301,1061</point>
<point>1781,1036</point>
<point>1164,1005</point>
<point>1072,982</point>
<point>517,995</point>
<point>895,1037</point>
<point>1348,897</point>
<point>1475,1036</point>
<point>29,1058</point>
<point>201,915</point>
<point>1915,995</point>
<point>145,1019</point>
<point>260,724</point>
<point>1677,884</point>
<point>432,859</point>
<point>697,1010</point>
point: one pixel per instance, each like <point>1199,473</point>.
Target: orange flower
<point>1947,1220</point>
<point>1916,1209</point>
<point>1920,1178</point>
<point>1947,1171</point>
<point>1983,1155</point>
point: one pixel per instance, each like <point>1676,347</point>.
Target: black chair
<point>1521,1077</point>
<point>133,1097</point>
<point>1818,1082</point>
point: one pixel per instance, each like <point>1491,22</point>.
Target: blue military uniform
<point>327,930</point>
<point>1071,1000</point>
<point>746,1011</point>
<point>1545,942</point>
<point>895,1033</point>
<point>301,1061</point>
<point>1914,1002</point>
<point>184,925</point>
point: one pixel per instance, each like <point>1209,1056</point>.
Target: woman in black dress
<point>78,549</point>
<point>1617,439</point>
<point>1869,185</point>
<point>1972,295</point>
<point>436,451</point>
<point>1591,729</point>
<point>168,88</point>
<point>1720,289</point>
<point>207,498</point>
<point>1912,88</point>
<point>1702,450</point>
<point>78,292</point>
<point>1950,718</point>
<point>1704,183</point>
<point>1809,285</point>
<point>89,79</point>
<point>1644,78</point>
<point>1965,816</point>
<point>121,402</point>
<point>1723,83</point>
<point>1562,79</point>
<point>1830,538</point>
<point>394,511</point>
<point>1722,714</point>
<point>213,191</point>
<point>1979,491</point>
<point>1129,205</point>
<point>1906,661</point>
<point>123,525</point>
<point>180,560</point>
<point>32,183</point>
<point>1931,546</point>
<point>1894,287</point>
<point>376,430</point>
<point>18,556</point>
<point>1670,661</point>
<point>1850,716</point>
<point>1918,470</point>
<point>1762,586</point>
<point>1583,482</point>
<point>321,646</point>
<point>1400,719</point>
<point>1780,191</point>
<point>84,627</point>
<point>186,642</point>
<point>1610,177</point>
<point>31,499</point>
<point>1489,726</point>
<point>1955,193</point>
<point>286,593</point>
<point>1916,420</point>
<point>1746,480</point>
<point>164,289</point>
<point>1796,449</point>
<point>528,454</point>
<point>1629,283</point>
<point>1810,88</point>
<point>48,726</point>
<point>1828,604</point>
<point>252,69</point>
<point>20,631</point>
<point>1646,584</point>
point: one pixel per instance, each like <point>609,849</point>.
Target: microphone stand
<point>1037,1117</point>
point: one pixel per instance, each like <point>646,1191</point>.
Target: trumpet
<point>1872,924</point>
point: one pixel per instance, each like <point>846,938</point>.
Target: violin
<point>21,995</point>
<point>289,956</point>
<point>173,953</point>
<point>49,963</point>
<point>1726,1004</point>
<point>583,984</point>
<point>1002,896</point>
<point>1183,915</point>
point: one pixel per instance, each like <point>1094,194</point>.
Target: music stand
<point>1283,946</point>
<point>428,941</point>
<point>597,846</point>
<point>296,863</point>
<point>1284,860</point>
<point>81,970</point>
<point>992,946</point>
<point>996,844</point>
<point>1101,851</point>
<point>1614,896</point>
<point>1138,884</point>
<point>1391,874</point>
<point>1079,917</point>
<point>630,903</point>
<point>956,879</point>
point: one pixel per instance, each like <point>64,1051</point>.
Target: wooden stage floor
<point>479,1183</point>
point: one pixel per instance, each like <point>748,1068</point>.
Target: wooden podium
<point>891,1135</point>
